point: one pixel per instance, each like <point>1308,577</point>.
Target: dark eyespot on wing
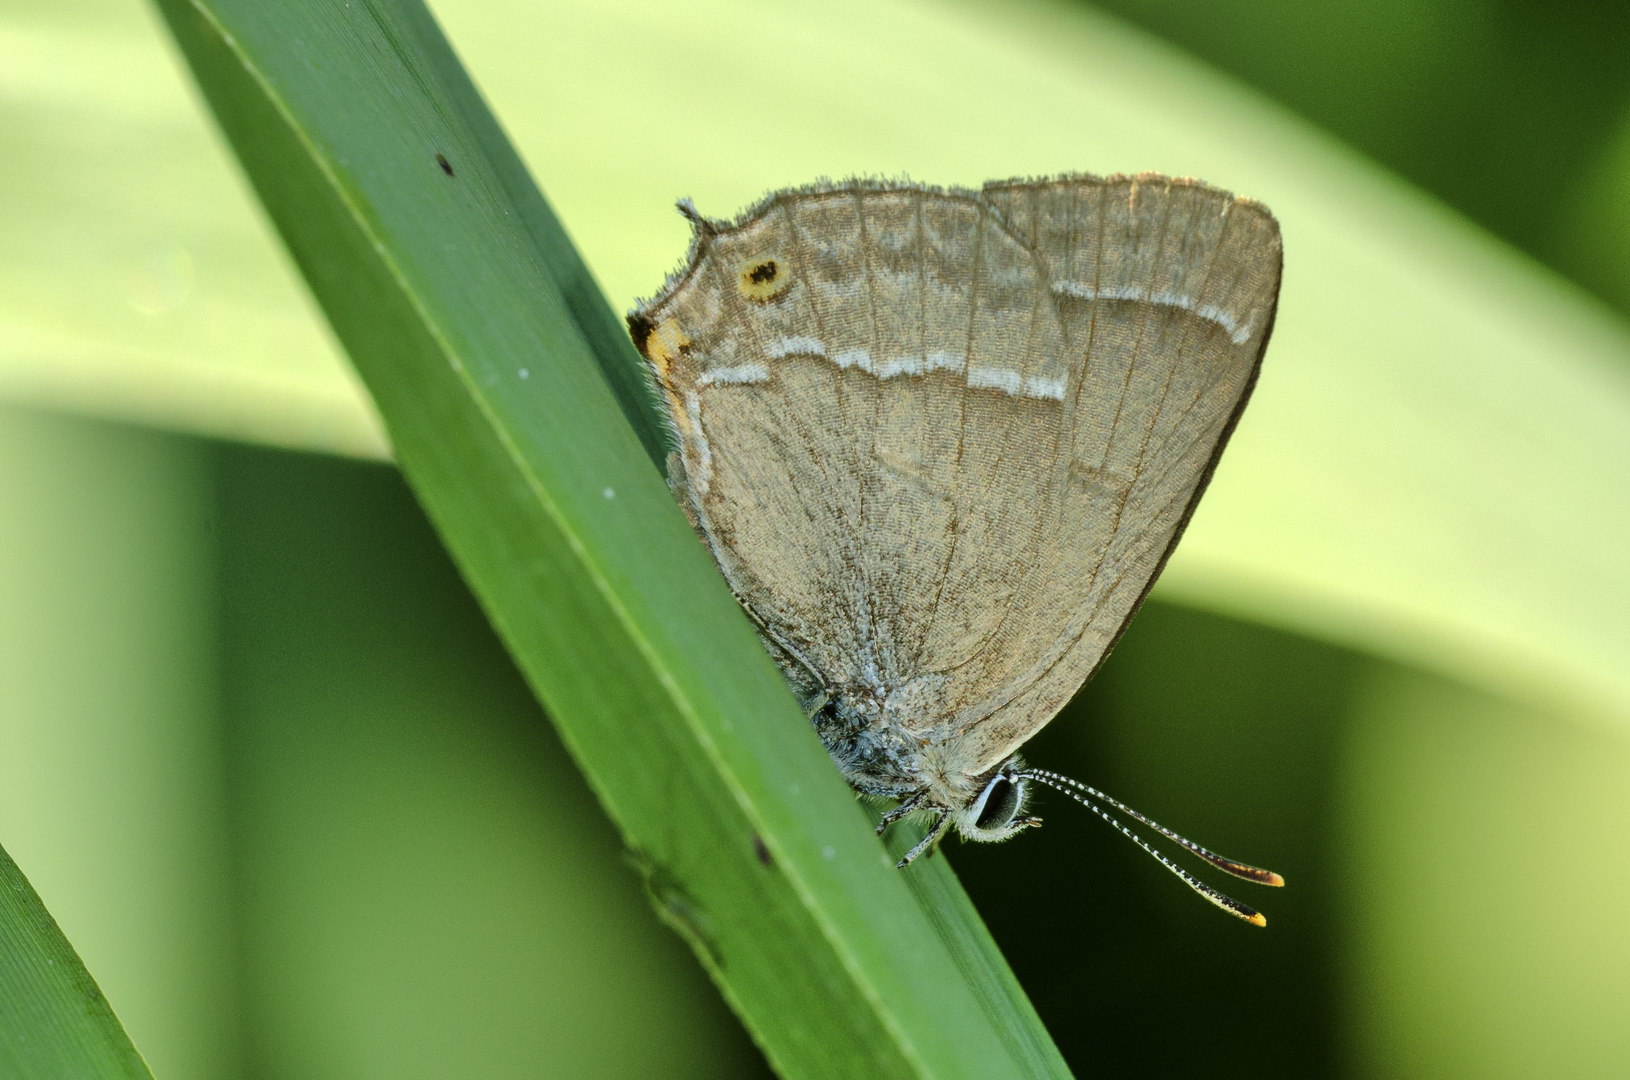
<point>640,327</point>
<point>760,278</point>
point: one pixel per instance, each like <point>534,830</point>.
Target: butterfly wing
<point>940,443</point>
<point>1167,291</point>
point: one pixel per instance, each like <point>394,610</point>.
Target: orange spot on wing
<point>664,345</point>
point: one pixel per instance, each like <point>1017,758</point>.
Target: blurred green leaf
<point>1595,236</point>
<point>137,279</point>
<point>1498,107</point>
<point>1431,469</point>
<point>110,780</point>
<point>443,271</point>
<point>54,1022</point>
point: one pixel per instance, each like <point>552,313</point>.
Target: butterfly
<point>941,442</point>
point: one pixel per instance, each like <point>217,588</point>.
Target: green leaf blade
<point>54,1021</point>
<point>489,356</point>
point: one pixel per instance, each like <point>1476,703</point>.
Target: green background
<point>271,772</point>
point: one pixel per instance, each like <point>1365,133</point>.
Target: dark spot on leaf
<point>761,851</point>
<point>446,168</point>
<point>763,272</point>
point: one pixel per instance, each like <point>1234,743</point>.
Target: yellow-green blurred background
<point>267,766</point>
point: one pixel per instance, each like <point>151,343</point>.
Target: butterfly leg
<point>941,823</point>
<point>909,806</point>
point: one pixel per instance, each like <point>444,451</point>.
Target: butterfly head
<point>997,811</point>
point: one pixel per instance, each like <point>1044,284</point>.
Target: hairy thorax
<point>885,740</point>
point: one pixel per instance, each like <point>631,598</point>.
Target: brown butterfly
<point>941,443</point>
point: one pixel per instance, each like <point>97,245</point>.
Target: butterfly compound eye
<point>999,803</point>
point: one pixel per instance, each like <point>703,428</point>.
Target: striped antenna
<point>1085,795</point>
